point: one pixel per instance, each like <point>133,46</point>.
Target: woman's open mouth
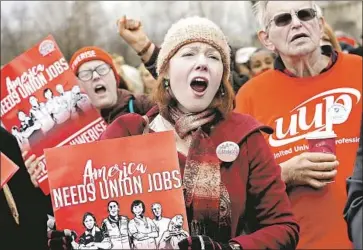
<point>199,85</point>
<point>100,89</point>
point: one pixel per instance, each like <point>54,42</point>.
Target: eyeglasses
<point>86,75</point>
<point>286,18</point>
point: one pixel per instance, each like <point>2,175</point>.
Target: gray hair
<point>319,11</point>
<point>260,12</point>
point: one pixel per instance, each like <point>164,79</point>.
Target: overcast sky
<point>234,17</point>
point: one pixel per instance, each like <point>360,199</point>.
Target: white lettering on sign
<point>323,119</point>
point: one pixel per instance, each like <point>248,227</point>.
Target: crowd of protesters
<point>263,99</point>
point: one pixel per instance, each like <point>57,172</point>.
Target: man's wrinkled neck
<point>307,65</point>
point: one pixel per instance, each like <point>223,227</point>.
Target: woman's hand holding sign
<point>60,240</point>
<point>204,242</point>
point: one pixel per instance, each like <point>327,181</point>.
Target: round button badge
<point>227,151</point>
<point>338,113</point>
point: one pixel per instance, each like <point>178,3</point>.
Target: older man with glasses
<point>308,91</point>
<point>98,77</point>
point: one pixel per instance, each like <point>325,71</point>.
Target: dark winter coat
<point>31,233</point>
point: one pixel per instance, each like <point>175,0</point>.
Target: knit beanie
<point>189,30</point>
<point>91,53</point>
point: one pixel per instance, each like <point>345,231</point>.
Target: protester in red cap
<point>99,79</point>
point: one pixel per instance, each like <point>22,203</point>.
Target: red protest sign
<point>8,169</point>
<point>121,184</point>
<point>42,105</point>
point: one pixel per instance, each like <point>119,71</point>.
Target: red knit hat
<point>91,53</point>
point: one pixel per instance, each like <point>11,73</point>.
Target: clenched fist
<point>132,32</point>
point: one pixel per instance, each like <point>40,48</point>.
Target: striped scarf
<point>204,193</point>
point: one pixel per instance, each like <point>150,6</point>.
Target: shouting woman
<point>234,195</point>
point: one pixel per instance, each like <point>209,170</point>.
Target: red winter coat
<point>253,181</point>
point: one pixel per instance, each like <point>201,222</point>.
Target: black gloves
<point>60,240</point>
<point>202,242</point>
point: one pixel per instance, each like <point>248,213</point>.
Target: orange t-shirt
<point>296,106</point>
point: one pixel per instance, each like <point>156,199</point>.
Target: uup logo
<point>337,111</point>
